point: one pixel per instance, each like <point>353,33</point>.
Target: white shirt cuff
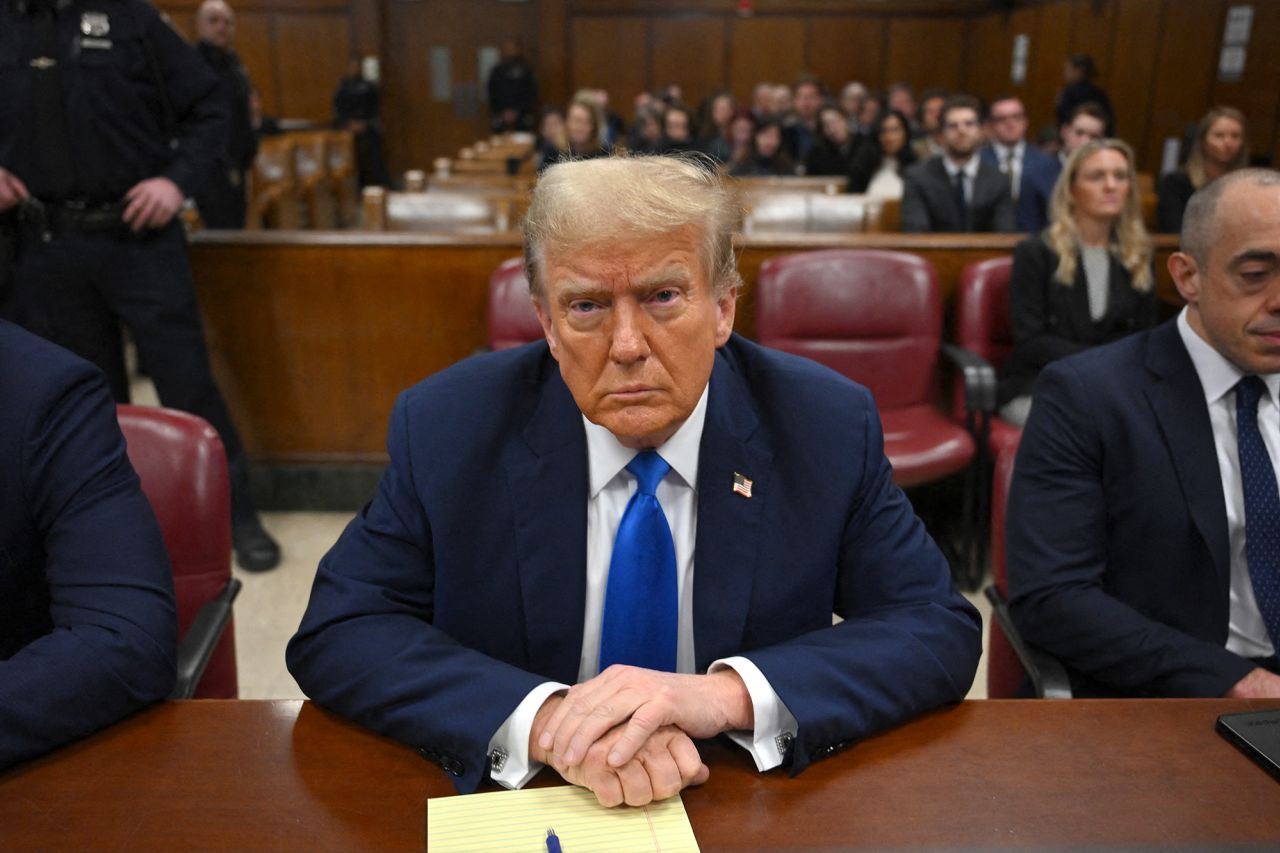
<point>775,726</point>
<point>509,763</point>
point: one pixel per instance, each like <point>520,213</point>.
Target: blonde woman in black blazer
<point>1086,279</point>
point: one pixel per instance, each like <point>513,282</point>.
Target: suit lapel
<point>1176,397</point>
<point>548,479</point>
<point>729,524</point>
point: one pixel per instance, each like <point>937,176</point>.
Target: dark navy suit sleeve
<point>367,648</point>
<point>1057,535</point>
<point>112,646</point>
<point>908,642</point>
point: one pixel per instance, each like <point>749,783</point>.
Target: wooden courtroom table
<point>286,776</point>
<point>313,334</point>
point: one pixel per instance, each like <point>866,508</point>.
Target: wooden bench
<point>436,212</point>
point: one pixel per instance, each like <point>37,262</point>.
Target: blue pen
<point>553,843</point>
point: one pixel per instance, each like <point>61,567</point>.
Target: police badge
<point>95,24</point>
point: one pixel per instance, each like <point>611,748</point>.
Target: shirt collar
<point>1218,374</point>
<point>970,168</point>
<point>606,456</point>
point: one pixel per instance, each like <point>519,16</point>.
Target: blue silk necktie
<point>640,603</point>
<point>1261,505</point>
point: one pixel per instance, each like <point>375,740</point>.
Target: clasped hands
<point>627,734</point>
<point>151,203</point>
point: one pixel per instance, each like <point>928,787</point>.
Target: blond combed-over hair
<point>582,203</point>
<point>1130,243</point>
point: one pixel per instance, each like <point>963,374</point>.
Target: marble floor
<point>271,604</point>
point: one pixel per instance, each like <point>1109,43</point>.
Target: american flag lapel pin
<point>741,485</point>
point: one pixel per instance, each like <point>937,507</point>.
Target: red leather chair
<point>1009,660</point>
<point>183,468</point>
<point>982,327</point>
<point>876,317</point>
<point>512,320</point>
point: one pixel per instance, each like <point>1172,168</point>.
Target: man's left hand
<point>701,706</point>
<point>152,203</point>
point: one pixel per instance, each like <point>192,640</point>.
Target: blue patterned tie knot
<point>1261,505</point>
<point>641,602</point>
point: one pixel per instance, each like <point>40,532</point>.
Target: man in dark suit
<point>504,558</point>
<point>1129,554</point>
<point>957,191</point>
<point>88,632</point>
<point>1030,171</point>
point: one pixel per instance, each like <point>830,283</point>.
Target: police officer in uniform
<point>222,201</point>
<point>107,120</point>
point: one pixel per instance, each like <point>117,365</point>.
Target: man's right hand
<point>1258,684</point>
<point>667,763</point>
<point>12,190</point>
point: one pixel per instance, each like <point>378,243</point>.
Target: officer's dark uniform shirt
<point>242,142</point>
<point>111,56</point>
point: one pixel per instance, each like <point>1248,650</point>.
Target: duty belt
<point>88,217</point>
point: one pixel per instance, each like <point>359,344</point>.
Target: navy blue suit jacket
<point>88,632</point>
<point>461,586</point>
<point>1039,174</point>
<point>1117,526</point>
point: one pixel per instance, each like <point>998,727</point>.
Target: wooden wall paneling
<point>986,70</point>
<point>419,128</point>
<point>550,52</point>
<point>406,87</point>
<point>1130,70</point>
<point>689,51</point>
<point>611,53</point>
<point>1050,47</point>
<point>925,52</point>
<point>1257,94</point>
<point>257,50</point>
<point>765,8</point>
<point>765,49</point>
<point>1092,29</point>
<point>1188,57</point>
<point>366,27</point>
<point>845,48</point>
<point>312,51</point>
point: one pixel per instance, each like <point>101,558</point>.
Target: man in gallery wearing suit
<point>644,506</point>
<point>88,631</point>
<point>1144,519</point>
<point>1030,171</point>
<point>957,191</point>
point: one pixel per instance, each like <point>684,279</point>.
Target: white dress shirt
<point>611,487</point>
<point>1247,633</point>
<point>886,182</point>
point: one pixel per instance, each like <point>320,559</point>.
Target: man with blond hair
<point>644,506</point>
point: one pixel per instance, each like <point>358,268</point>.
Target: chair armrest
<point>979,378</point>
<point>1047,675</point>
<point>196,647</point>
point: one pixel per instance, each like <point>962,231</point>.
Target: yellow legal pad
<point>517,822</point>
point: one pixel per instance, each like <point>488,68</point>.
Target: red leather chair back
<point>1004,673</point>
<point>875,316</point>
<point>982,309</point>
<point>511,317</point>
<point>183,468</point>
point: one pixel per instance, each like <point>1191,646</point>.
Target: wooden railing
<point>313,335</point>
